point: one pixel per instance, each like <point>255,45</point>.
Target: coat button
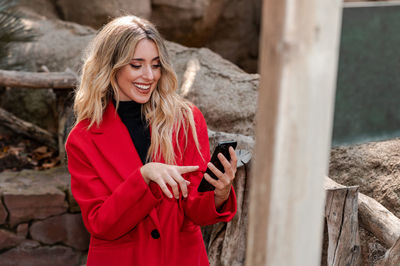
<point>155,234</point>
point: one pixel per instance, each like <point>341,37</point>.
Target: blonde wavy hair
<point>166,111</point>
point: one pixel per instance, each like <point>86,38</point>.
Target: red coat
<point>130,222</point>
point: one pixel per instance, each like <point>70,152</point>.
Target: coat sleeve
<point>200,206</point>
<point>107,213</point>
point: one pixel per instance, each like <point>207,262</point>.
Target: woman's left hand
<point>224,183</point>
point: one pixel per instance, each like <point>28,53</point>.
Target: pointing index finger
<point>187,169</point>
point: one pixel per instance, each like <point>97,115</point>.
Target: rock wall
<point>224,93</point>
<point>229,28</point>
<point>96,13</point>
<point>373,166</point>
<point>58,45</point>
<point>40,223</point>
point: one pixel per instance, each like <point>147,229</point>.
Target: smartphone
<point>222,147</point>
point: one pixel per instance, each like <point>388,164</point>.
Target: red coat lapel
<point>113,141</point>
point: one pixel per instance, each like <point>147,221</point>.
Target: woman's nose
<point>148,73</point>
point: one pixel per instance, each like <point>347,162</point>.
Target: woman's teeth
<point>143,87</point>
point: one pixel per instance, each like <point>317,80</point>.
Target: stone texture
<point>67,228</point>
<point>40,256</point>
<point>57,177</point>
<point>58,46</point>
<point>225,94</point>
<point>196,6</point>
<point>48,187</point>
<point>243,142</point>
<point>36,106</point>
<point>374,167</point>
<point>187,22</point>
<point>29,243</point>
<point>3,213</point>
<point>95,13</point>
<point>31,194</point>
<point>239,44</point>
<point>9,239</point>
<point>230,28</point>
<point>45,8</point>
<point>22,230</point>
<point>72,204</point>
<point>26,204</point>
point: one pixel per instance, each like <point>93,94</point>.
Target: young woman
<point>138,152</point>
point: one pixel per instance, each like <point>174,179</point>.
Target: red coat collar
<point>109,119</point>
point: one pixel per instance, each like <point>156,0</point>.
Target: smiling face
<point>138,79</point>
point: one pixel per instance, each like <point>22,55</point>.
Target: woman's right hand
<point>164,174</point>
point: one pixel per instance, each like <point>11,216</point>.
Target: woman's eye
<point>157,66</point>
<point>135,66</point>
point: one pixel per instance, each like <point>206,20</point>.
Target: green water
<point>367,106</point>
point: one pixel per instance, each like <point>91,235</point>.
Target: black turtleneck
<point>130,113</point>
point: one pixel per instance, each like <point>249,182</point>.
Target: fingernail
<point>187,182</point>
<point>170,196</point>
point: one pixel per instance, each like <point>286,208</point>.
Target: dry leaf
<point>15,150</point>
<point>53,162</point>
<point>41,149</point>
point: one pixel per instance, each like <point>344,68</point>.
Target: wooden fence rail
<point>54,80</point>
<point>61,82</point>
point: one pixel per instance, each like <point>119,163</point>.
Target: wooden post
<point>341,213</point>
<point>64,106</point>
<point>374,217</point>
<point>298,64</point>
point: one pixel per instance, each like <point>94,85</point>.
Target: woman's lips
<point>144,87</point>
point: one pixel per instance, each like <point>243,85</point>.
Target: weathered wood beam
<point>341,209</point>
<point>374,217</point>
<point>379,220</point>
<point>392,256</point>
<point>21,79</point>
<point>27,129</point>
